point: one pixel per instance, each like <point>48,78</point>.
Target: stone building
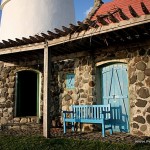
<point>105,59</point>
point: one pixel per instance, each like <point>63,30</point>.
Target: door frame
<point>38,113</point>
<point>99,65</point>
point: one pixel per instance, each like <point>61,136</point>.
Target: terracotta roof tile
<point>124,6</point>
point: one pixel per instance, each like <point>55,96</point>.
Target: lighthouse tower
<point>22,18</point>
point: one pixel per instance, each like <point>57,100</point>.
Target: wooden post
<point>47,97</point>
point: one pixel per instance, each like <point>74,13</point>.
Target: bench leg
<point>103,129</point>
<point>73,127</point>
<point>111,132</point>
<point>64,127</point>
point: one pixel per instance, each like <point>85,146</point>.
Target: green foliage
<point>41,143</point>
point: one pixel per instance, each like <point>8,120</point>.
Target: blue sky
<point>82,7</point>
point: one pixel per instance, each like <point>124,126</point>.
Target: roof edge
<point>97,5</point>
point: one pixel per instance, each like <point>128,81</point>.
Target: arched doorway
<point>27,93</point>
<point>114,90</point>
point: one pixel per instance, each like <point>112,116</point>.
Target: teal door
<point>115,91</point>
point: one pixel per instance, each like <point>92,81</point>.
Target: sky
<point>82,7</point>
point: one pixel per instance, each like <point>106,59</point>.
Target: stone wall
<point>61,97</point>
<point>7,83</point>
<point>86,84</point>
<point>7,96</point>
<point>84,91</point>
<point>138,61</point>
<point>85,80</point>
<point>58,92</point>
<point>139,90</point>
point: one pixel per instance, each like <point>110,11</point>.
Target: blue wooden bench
<point>99,114</point>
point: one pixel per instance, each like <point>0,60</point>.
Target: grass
<point>41,143</point>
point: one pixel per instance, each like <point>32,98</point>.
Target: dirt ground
<point>95,135</point>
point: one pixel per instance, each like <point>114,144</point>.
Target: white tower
<point>22,18</point>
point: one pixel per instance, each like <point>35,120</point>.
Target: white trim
<point>112,61</point>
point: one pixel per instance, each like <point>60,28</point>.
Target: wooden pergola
<point>86,36</point>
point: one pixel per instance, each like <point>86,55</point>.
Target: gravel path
<point>114,138</point>
<point>94,136</point>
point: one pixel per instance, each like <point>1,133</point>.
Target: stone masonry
<point>85,92</point>
<point>139,90</point>
<point>138,61</point>
<point>7,96</point>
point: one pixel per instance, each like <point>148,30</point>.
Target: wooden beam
<point>122,15</point>
<point>47,97</point>
<point>52,34</point>
<point>91,23</point>
<point>14,43</point>
<point>60,32</point>
<point>74,27</point>
<point>144,8</point>
<point>142,20</point>
<point>21,42</point>
<point>110,36</point>
<point>144,29</point>
<point>67,30</point>
<point>35,40</point>
<point>27,41</point>
<point>8,44</point>
<point>127,34</point>
<point>84,26</point>
<point>133,12</point>
<point>112,18</point>
<point>136,33</point>
<point>2,45</point>
<point>40,38</point>
<point>103,29</point>
<point>71,56</point>
<point>102,20</point>
<point>119,36</point>
<point>96,41</point>
<point>47,37</point>
<point>60,50</point>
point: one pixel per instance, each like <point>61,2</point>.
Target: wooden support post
<point>47,97</point>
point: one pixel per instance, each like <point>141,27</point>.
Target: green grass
<point>8,142</point>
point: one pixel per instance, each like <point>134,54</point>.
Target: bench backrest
<point>91,111</point>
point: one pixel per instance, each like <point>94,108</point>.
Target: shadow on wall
<point>118,119</point>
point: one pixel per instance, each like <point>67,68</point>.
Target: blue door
<point>115,91</point>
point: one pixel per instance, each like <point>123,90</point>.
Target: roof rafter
<point>133,12</point>
<point>144,8</point>
<point>122,14</point>
<point>60,32</point>
<point>101,20</point>
<point>112,18</point>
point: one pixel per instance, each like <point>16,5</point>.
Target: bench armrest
<point>67,112</point>
<point>106,114</point>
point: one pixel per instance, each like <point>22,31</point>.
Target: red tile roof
<point>124,5</point>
